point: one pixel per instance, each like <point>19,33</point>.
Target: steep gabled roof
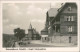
<point>62,8</point>
<point>52,12</point>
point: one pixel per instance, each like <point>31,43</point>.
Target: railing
<point>58,22</point>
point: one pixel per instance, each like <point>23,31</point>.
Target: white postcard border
<point>47,48</point>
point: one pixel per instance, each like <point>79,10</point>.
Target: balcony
<point>56,23</point>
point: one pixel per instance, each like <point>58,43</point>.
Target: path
<point>16,44</point>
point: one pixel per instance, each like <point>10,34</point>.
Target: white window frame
<point>70,29</point>
<point>70,18</point>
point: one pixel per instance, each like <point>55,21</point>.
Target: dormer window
<point>69,8</point>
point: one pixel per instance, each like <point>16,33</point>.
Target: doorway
<point>69,39</point>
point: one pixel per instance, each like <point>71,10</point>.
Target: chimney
<point>61,4</point>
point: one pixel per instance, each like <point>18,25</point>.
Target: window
<point>69,28</point>
<point>67,19</point>
<point>69,8</point>
<point>70,18</point>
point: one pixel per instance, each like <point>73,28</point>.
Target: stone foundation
<point>63,39</point>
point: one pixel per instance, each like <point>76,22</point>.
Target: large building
<point>62,24</point>
<point>33,34</point>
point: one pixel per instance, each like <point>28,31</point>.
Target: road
<point>38,43</point>
<point>35,45</point>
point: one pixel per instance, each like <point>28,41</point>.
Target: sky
<point>22,14</point>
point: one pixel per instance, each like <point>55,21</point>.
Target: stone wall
<point>64,39</point>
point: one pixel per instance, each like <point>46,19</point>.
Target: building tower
<point>44,34</point>
<point>30,32</point>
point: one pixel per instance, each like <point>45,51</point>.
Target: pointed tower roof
<point>30,27</point>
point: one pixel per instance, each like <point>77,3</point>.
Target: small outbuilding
<point>44,35</point>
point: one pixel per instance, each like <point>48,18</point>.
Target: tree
<point>19,33</point>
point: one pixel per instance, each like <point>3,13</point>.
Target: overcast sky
<point>21,14</point>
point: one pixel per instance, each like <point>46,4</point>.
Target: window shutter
<point>71,28</point>
<point>72,18</point>
<point>69,18</point>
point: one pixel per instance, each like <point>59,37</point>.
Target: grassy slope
<point>7,40</point>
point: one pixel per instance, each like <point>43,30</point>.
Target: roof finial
<point>30,27</point>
